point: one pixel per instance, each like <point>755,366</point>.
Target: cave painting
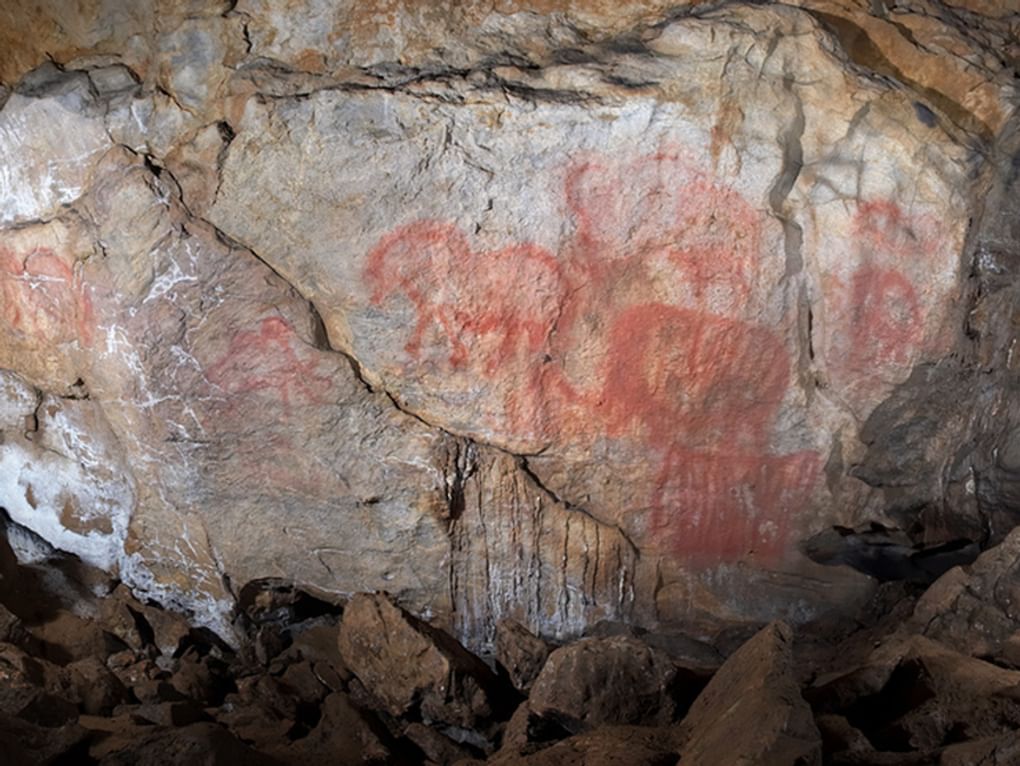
<point>44,299</point>
<point>883,316</point>
<point>469,299</point>
<point>273,359</point>
<point>645,329</point>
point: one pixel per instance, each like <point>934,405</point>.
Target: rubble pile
<point>91,675</point>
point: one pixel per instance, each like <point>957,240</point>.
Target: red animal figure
<point>661,207</point>
<point>271,359</point>
<point>676,373</point>
<point>43,299</point>
<point>885,319</point>
<point>694,379</point>
<point>884,314</point>
<point>487,306</point>
<point>882,229</point>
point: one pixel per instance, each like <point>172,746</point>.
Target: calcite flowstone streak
<point>552,311</point>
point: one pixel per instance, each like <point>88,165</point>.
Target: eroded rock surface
<point>524,310</point>
<point>614,681</point>
<point>412,668</point>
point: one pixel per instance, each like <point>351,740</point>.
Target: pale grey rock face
<point>533,312</point>
<point>45,167</point>
<point>672,297</point>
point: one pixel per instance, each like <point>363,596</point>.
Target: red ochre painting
<point>272,359</point>
<point>42,298</point>
<point>663,278</point>
<point>883,309</point>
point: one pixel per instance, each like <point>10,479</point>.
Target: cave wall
<point>562,311</point>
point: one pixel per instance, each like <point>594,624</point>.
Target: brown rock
<point>302,681</point>
<point>436,747</point>
<point>156,691</point>
<point>839,736</point>
<point>131,667</point>
<point>318,643</point>
<point>180,713</point>
<point>605,746</point>
<point>344,736</point>
<point>916,694</point>
<point>262,712</point>
<point>204,743</point>
<point>26,744</point>
<point>22,679</point>
<point>752,711</point>
<point>520,652</point>
<point>96,689</point>
<point>974,609</point>
<point>256,725</point>
<point>527,733</point>
<point>377,641</point>
<point>516,734</point>
<point>600,681</point>
<point>194,679</point>
<point>139,625</point>
<point>67,637</point>
<point>11,629</point>
<point>990,751</point>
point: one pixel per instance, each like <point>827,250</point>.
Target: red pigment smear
<point>43,299</point>
<point>488,307</point>
<point>686,377</point>
<point>701,388</point>
<point>723,506</point>
<point>885,319</point>
<point>272,359</point>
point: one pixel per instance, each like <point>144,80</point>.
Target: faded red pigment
<point>681,373</point>
<point>44,299</point>
<point>697,387</point>
<point>271,358</point>
<point>885,317</point>
<point>468,295</point>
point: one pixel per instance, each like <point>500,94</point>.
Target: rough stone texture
<point>197,743</point>
<point>608,746</point>
<point>600,681</point>
<point>915,694</point>
<point>976,609</point>
<point>406,665</point>
<point>521,653</point>
<point>555,311</point>
<point>752,710</point>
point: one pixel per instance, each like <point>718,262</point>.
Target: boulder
<point>521,653</point>
<point>23,679</point>
<point>917,695</point>
<point>344,736</point>
<point>752,710</point>
<point>435,746</point>
<point>94,687</point>
<point>204,743</point>
<point>606,746</point>
<point>27,744</point>
<point>976,609</point>
<point>606,681</point>
<point>11,629</point>
<point>443,683</point>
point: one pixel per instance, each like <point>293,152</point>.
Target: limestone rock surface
<point>539,310</point>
